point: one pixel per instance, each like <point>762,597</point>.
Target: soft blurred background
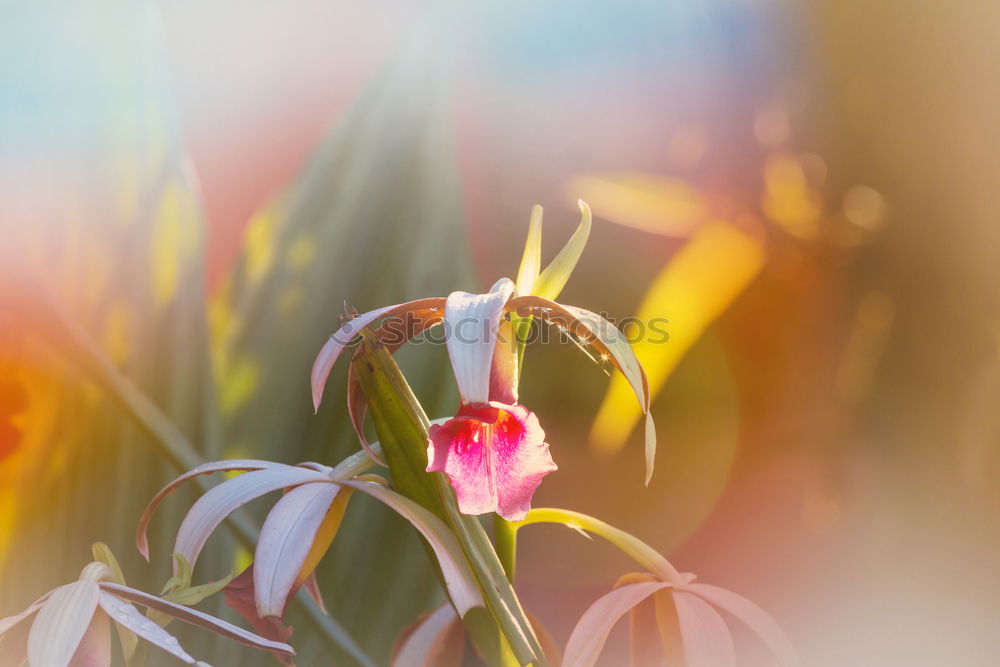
<point>807,191</point>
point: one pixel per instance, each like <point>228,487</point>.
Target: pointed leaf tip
<point>350,330</point>
<point>552,280</point>
<point>650,436</point>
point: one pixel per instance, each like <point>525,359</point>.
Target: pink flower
<point>493,450</point>
<point>494,456</point>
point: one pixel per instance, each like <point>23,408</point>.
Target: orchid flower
<point>691,630</point>
<point>300,527</point>
<point>493,450</point>
<point>72,623</point>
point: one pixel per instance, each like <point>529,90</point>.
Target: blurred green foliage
<point>373,217</point>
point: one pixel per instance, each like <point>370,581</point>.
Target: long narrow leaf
<point>462,587</point>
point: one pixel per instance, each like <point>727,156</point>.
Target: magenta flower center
<point>494,455</point>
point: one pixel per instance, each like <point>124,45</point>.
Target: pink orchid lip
<point>494,455</point>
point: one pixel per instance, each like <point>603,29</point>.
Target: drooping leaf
<point>553,278</point>
<point>221,501</point>
<point>694,288</point>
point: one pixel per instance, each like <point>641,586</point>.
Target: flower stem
<point>641,552</point>
<point>505,538</point>
<point>400,420</point>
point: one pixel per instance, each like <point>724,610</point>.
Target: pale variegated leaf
<point>127,616</point>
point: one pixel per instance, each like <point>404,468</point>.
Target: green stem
<point>500,597</point>
<point>505,538</point>
<point>172,443</point>
<point>521,326</point>
<point>641,552</point>
<point>400,420</point>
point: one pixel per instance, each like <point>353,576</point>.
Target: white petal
<point>95,648</point>
<point>221,501</point>
<point>471,322</point>
<point>61,623</point>
<point>9,622</point>
<point>756,619</point>
<point>285,541</point>
<point>707,641</point>
<point>424,643</point>
<point>198,618</point>
<point>129,617</point>
<point>141,540</point>
<point>592,630</point>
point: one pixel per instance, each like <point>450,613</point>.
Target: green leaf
<point>397,418</point>
<point>531,260</point>
<point>552,280</point>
